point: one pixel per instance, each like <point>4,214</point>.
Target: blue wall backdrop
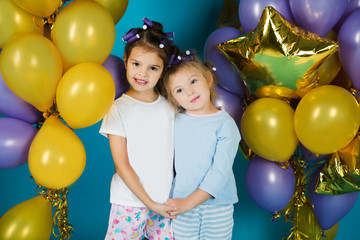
<point>192,21</point>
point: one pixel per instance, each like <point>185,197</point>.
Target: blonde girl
<point>206,142</point>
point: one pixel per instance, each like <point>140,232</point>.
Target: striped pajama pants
<point>205,222</point>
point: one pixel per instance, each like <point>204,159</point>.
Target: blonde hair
<point>204,69</point>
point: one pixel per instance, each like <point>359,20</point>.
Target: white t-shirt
<point>149,131</point>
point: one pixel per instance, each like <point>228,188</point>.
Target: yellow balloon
<point>85,94</point>
<point>116,8</point>
<point>84,31</point>
<point>41,8</point>
<point>332,232</point>
<point>31,67</point>
<point>31,219</point>
<point>14,20</point>
<point>57,156</point>
<point>327,119</point>
<point>267,127</point>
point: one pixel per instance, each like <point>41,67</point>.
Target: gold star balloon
<point>341,173</point>
<point>279,59</point>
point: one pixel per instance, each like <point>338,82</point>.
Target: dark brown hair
<point>151,38</point>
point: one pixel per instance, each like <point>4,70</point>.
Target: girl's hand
<point>162,210</point>
<point>184,205</point>
<point>178,205</point>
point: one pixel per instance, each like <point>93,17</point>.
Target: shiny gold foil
<point>245,150</point>
<point>341,174</point>
<point>275,91</point>
<point>299,211</point>
<point>58,198</point>
<point>279,55</point>
<point>306,226</point>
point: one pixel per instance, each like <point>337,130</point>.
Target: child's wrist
<point>150,204</point>
<point>188,204</point>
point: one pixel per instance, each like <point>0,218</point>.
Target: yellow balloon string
<point>291,211</point>
<point>355,93</point>
<point>58,199</point>
<point>245,150</point>
<point>295,232</point>
<point>52,111</point>
<point>51,19</point>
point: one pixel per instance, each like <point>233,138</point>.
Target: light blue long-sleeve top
<point>205,149</point>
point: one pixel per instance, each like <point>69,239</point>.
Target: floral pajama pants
<point>137,223</point>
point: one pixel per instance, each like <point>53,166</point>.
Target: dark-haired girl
<point>140,130</point>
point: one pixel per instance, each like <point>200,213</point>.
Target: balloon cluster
<point>57,75</point>
<point>294,72</point>
<point>230,89</point>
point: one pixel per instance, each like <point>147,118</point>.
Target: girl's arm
<point>184,205</point>
<point>218,175</point>
<point>123,168</point>
<point>220,172</point>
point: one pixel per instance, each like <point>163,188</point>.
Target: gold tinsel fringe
<point>58,198</point>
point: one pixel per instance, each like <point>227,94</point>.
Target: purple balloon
<point>349,50</point>
<point>294,103</point>
<point>16,137</point>
<point>13,106</point>
<point>312,157</point>
<point>250,12</point>
<point>116,67</point>
<point>269,185</point>
<point>351,7</point>
<point>318,16</point>
<point>229,77</point>
<point>231,102</point>
<point>329,209</point>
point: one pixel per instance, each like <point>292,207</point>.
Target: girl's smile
<point>140,81</point>
<point>195,99</point>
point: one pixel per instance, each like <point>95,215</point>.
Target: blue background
<point>192,21</point>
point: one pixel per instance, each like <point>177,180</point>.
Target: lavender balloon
<point>270,186</point>
<point>16,137</point>
<point>349,51</point>
<point>318,16</point>
<point>229,77</point>
<point>351,7</point>
<point>231,102</point>
<point>329,209</point>
<point>13,106</point>
<point>312,157</point>
<point>250,11</point>
<point>116,67</point>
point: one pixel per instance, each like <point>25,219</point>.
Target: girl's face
<point>191,90</point>
<point>143,70</point>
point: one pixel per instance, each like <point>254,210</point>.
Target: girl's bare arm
<point>123,168</point>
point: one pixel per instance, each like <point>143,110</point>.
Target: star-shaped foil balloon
<point>279,59</point>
